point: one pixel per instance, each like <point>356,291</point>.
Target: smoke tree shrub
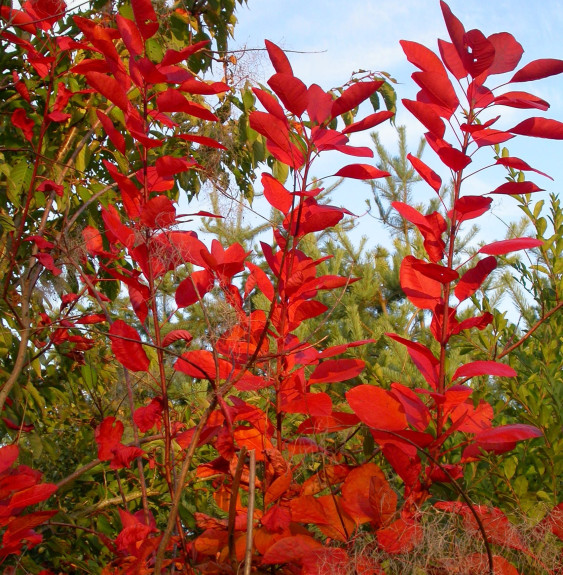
<point>254,471</point>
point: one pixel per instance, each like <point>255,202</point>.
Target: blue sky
<point>339,37</point>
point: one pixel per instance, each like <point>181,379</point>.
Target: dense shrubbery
<point>178,404</point>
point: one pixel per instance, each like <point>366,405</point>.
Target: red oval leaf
<point>477,368</point>
<point>517,188</point>
<point>538,69</point>
<point>361,172</point>
<point>426,173</point>
<point>506,246</point>
<point>176,335</point>
<point>421,291</point>
<point>334,370</point>
<point>277,196</point>
<point>32,495</point>
<point>278,58</point>
<point>539,128</point>
<point>472,279</point>
<point>377,408</point>
<point>354,96</point>
<point>422,357</point>
<point>127,347</point>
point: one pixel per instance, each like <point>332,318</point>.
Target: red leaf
<point>169,166</point>
<point>203,140</point>
<point>471,419</point>
<point>314,217</point>
<point>303,310</point>
<point>422,357</point>
<point>116,138</point>
<point>418,414</point>
<point>539,128</point>
<point>538,69</point>
<point>426,173</point>
<point>200,364</point>
<point>32,495</point>
<point>401,536</point>
<point>506,246</point>
<point>521,100</point>
<point>479,562</point>
<point>271,104</point>
<point>422,57</point>
<point>130,194</point>
<point>319,104</point>
<point>278,58</point>
<point>431,227</point>
<point>438,89</point>
<point>503,438</point>
<point>377,503</point>
<point>478,54</point>
<point>553,522</point>
<point>130,35</point>
<point>314,404</point>
<point>514,432</point>
<point>517,188</point>
<point>108,437</point>
<point>145,17</point>
<point>508,53</point>
<point>20,120</point>
<point>334,370</point>
<point>262,280</point>
<point>8,455</point>
<point>426,114</point>
<point>477,368</point>
<point>193,86</point>
<point>18,19</point>
<point>129,353</point>
<point>335,422</point>
<point>276,194</point>
<point>471,207</point>
<point>421,291</point>
<point>490,137</point>
<point>518,164</point>
<point>176,335</point>
<point>109,88</point>
<point>454,159</point>
<point>472,279</point>
<point>456,30</point>
<point>291,91</point>
<point>91,319</point>
<point>124,455</point>
<point>451,59</point>
<point>147,417</point>
<point>377,408</point>
<point>276,519</point>
<point>290,550</point>
<point>480,322</point>
<point>339,524</point>
<point>354,96</point>
<point>174,56</point>
<point>441,274</point>
<point>174,101</point>
<point>158,212</point>
<point>361,172</point>
<point>368,122</point>
<point>194,287</point>
<point>277,133</point>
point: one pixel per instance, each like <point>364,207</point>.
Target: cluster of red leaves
<point>262,350</point>
<point>20,487</point>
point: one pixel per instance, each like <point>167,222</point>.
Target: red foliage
<point>260,350</point>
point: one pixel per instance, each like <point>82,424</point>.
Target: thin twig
<point>233,508</point>
<point>250,512</point>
